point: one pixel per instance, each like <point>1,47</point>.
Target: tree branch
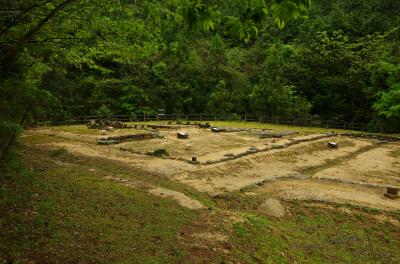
<point>14,50</point>
<point>26,10</point>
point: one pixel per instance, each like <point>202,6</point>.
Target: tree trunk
<point>14,135</point>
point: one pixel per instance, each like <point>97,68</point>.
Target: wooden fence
<point>305,122</point>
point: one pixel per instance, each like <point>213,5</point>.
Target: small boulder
<point>333,145</point>
<point>252,149</point>
<point>272,207</point>
<point>182,135</point>
<point>110,129</point>
<point>188,146</point>
<point>103,132</point>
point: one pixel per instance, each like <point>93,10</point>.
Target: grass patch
<point>395,153</point>
<point>77,129</point>
<point>314,235</point>
<point>71,215</point>
<point>158,153</point>
<point>57,152</point>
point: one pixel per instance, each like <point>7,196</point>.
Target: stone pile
<point>103,124</point>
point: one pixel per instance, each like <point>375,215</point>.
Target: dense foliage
<point>78,57</point>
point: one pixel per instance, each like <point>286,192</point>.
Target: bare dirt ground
<point>315,190</point>
<point>201,143</point>
<point>355,173</point>
<point>377,166</point>
<point>291,161</point>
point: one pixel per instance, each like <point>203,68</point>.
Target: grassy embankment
<point>62,209</point>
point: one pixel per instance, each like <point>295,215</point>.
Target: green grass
<point>63,210</point>
<point>77,129</point>
<point>395,153</point>
<point>56,152</point>
<point>67,214</point>
<point>314,235</point>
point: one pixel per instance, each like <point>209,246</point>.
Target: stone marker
<point>110,129</point>
<point>194,160</point>
<point>332,145</point>
<point>218,129</point>
<point>103,132</point>
<point>392,193</point>
<point>272,207</point>
<point>182,135</point>
<point>253,149</point>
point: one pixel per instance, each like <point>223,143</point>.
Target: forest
<point>199,131</point>
<point>326,60</point>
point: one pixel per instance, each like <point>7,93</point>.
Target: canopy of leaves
<point>292,58</point>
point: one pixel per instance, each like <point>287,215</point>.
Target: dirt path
<point>179,197</point>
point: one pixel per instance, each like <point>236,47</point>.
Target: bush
<point>158,153</point>
<point>57,152</point>
<point>8,132</point>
